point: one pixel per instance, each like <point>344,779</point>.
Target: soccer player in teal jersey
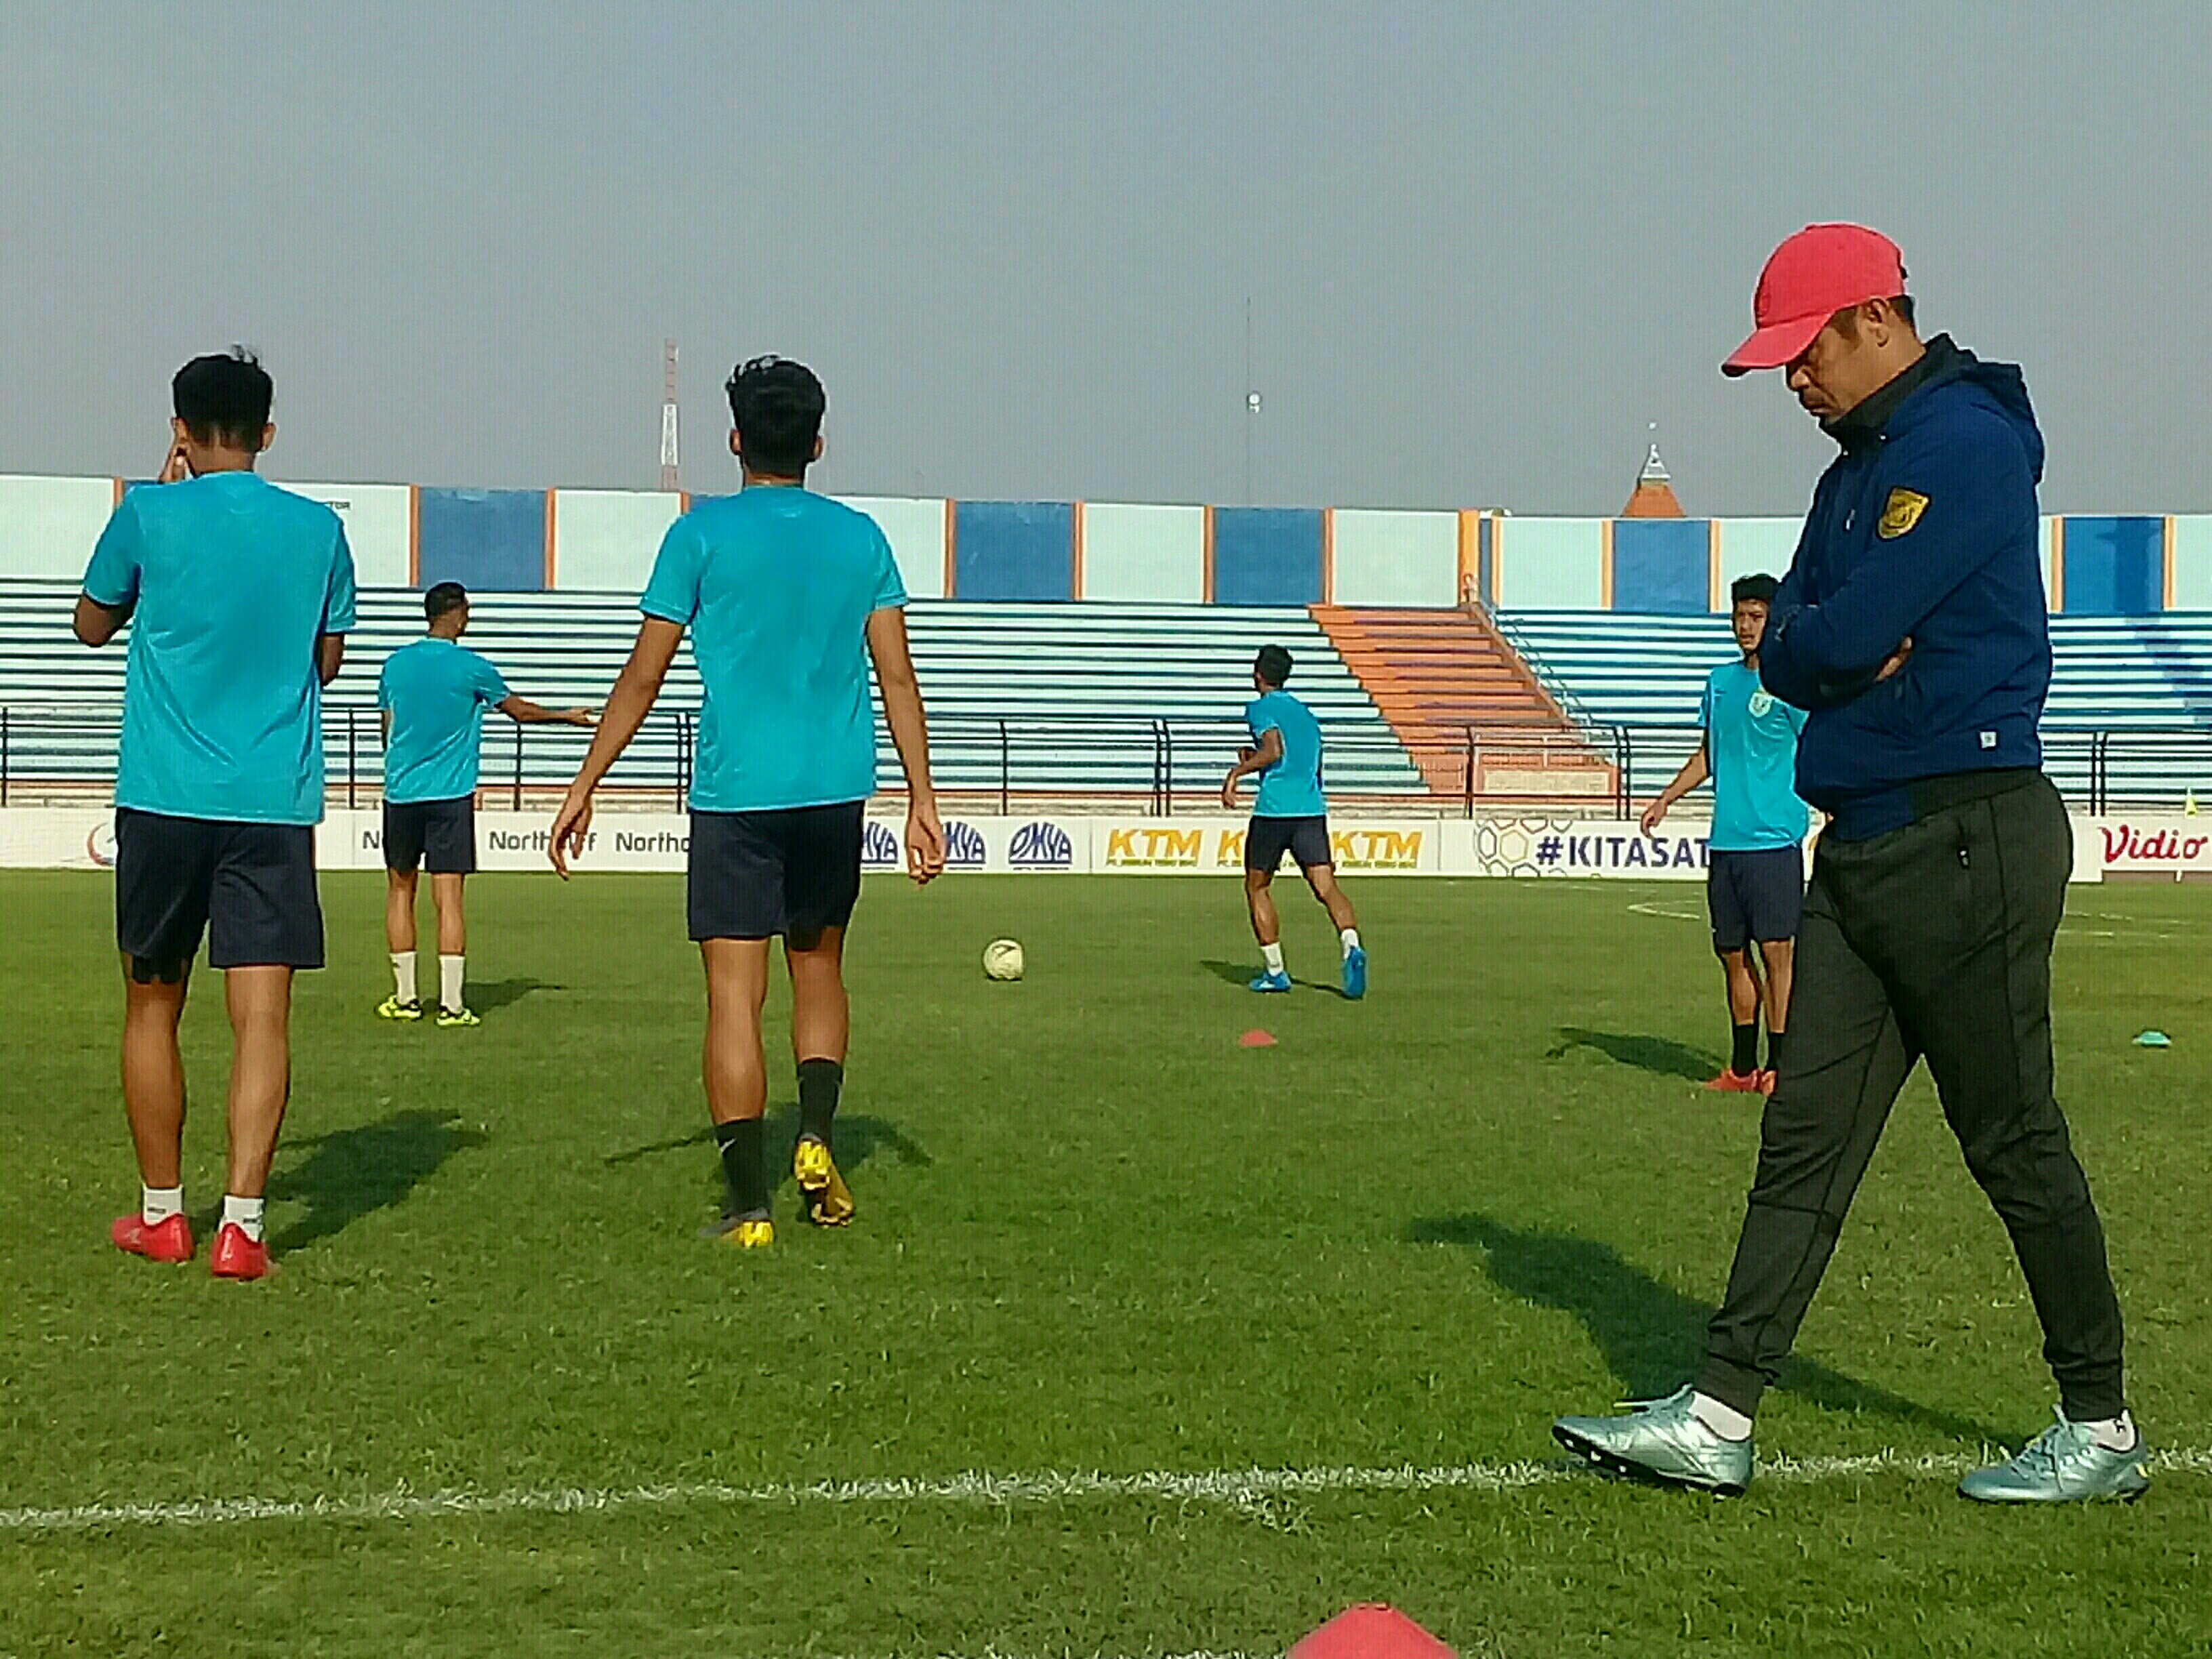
<point>1755,866</point>
<point>787,596</point>
<point>238,596</point>
<point>433,695</point>
<point>1290,815</point>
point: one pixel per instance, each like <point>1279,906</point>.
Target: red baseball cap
<point>1820,271</point>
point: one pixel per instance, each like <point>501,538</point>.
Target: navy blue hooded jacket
<point>1925,528</point>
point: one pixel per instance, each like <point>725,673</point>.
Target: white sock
<point>402,975</point>
<point>1273,956</point>
<point>449,982</point>
<point>2114,1433</point>
<point>1350,936</point>
<point>244,1214</point>
<point>1725,1421</point>
<point>157,1204</point>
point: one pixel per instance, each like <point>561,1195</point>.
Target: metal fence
<point>1158,765</point>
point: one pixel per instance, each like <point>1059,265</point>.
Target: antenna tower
<point>669,462</point>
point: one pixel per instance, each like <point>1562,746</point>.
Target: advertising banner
<point>2167,848</point>
<point>57,838</point>
<point>1571,847</point>
<point>83,838</point>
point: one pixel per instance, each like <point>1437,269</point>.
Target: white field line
<point>2136,932</point>
<point>1236,1488</point>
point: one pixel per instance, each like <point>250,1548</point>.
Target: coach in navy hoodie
<point>1913,628</point>
<point>1920,551</point>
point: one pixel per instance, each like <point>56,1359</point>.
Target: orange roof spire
<point>1654,495</point>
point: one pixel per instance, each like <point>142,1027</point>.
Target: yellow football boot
<point>828,1199</point>
<point>749,1234</point>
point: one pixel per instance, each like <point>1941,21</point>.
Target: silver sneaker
<point>2063,1465</point>
<point>1659,1440</point>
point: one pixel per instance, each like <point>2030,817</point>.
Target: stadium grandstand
<point>1096,653</point>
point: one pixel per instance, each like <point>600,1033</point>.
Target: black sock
<point>740,1142</point>
<point>819,1082</point>
<point>1746,1050</point>
<point>1773,1049</point>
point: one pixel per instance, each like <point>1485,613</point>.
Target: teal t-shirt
<point>1750,743</point>
<point>234,582</point>
<point>776,586</point>
<point>436,692</point>
<point>1291,788</point>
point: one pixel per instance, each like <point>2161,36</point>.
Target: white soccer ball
<point>1002,959</point>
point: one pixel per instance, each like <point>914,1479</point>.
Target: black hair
<point>1274,665</point>
<point>777,406</point>
<point>1847,319</point>
<point>443,600</point>
<point>1760,588</point>
<point>223,398</point>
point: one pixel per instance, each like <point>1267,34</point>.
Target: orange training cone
<point>1371,1631</point>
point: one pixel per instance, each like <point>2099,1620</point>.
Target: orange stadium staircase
<point>1447,681</point>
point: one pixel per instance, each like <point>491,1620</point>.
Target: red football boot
<point>1735,1083</point>
<point>167,1239</point>
<point>237,1256</point>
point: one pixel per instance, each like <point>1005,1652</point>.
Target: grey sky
<point>1485,243</point>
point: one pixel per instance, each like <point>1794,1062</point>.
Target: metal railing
<point>1158,765</point>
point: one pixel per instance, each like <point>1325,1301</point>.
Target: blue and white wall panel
<point>1137,554</point>
<point>2113,565</point>
<point>916,530</point>
<point>378,521</point>
<point>1662,566</point>
<point>1754,547</point>
<point>1550,564</point>
<point>1014,551</point>
<point>1267,555</point>
<point>48,525</point>
<point>2191,579</point>
<point>1385,558</point>
<point>604,540</point>
<point>487,540</point>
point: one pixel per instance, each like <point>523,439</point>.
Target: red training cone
<point>1255,1039</point>
<point>1371,1631</point>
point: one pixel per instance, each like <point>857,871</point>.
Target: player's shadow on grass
<point>486,994</point>
<point>859,1138</point>
<point>1646,1054</point>
<point>349,1173</point>
<point>1652,1335</point>
<point>1241,974</point>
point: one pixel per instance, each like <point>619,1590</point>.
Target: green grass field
<point>539,1415</point>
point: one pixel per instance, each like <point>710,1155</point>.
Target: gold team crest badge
<point>1901,513</point>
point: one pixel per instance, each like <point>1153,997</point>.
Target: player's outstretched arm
<point>632,700</point>
<point>1695,770</point>
<point>523,712</point>
<point>903,713</point>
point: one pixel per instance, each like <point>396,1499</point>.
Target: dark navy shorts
<point>250,888</point>
<point>1755,895</point>
<point>437,836</point>
<point>1306,839</point>
<point>786,874</point>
